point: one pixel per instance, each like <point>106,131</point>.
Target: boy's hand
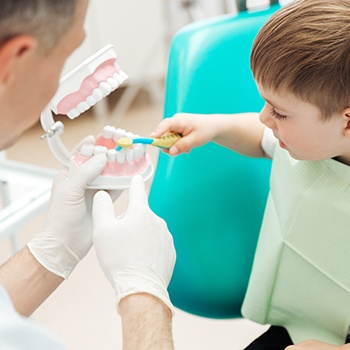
<point>196,130</point>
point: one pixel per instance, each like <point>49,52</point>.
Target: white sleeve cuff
<point>268,142</point>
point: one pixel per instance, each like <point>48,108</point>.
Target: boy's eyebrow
<point>272,104</point>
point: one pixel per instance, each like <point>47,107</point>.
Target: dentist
<point>135,252</point>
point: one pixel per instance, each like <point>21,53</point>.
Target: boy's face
<point>299,129</point>
<point>34,81</point>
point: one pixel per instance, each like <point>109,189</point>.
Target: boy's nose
<point>266,118</point>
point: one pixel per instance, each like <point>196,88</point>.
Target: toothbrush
<point>165,141</point>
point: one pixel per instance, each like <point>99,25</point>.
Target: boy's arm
<point>240,132</point>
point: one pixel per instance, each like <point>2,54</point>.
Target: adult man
<point>36,37</point>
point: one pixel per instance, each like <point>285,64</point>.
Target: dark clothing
<point>275,338</point>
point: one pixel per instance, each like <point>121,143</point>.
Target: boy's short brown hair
<point>304,49</point>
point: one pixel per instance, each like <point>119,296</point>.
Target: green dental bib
<point>301,272</point>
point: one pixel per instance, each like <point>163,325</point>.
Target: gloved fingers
<point>58,183</point>
<point>120,216</point>
<point>115,194</point>
<point>89,196</point>
<point>61,176</point>
<point>76,149</point>
<point>86,173</point>
<point>137,194</point>
<point>102,210</point>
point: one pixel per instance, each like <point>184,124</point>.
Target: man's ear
<point>12,53</point>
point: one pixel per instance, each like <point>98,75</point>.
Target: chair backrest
<point>212,199</point>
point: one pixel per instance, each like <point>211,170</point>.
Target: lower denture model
<point>79,90</point>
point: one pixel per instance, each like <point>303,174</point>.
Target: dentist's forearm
<point>27,282</point>
<point>147,323</point>
<point>241,133</point>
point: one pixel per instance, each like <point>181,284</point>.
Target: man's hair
<point>304,49</point>
<point>47,20</point>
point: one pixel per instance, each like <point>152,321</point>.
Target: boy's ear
<point>346,114</point>
<point>12,53</point>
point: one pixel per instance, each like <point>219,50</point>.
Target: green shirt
<point>301,272</point>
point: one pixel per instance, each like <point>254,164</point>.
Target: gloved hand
<point>66,236</point>
<point>135,251</point>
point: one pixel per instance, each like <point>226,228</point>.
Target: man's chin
<point>7,143</point>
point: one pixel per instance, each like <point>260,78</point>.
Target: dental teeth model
<point>79,90</point>
<point>88,83</point>
<point>121,165</point>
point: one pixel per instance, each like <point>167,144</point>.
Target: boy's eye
<point>277,115</point>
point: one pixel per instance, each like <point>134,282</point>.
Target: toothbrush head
<point>88,83</point>
<point>124,142</point>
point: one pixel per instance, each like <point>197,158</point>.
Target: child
<point>300,281</point>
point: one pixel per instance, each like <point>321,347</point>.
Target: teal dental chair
<point>212,198</point>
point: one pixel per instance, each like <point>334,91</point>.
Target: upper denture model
<point>78,91</point>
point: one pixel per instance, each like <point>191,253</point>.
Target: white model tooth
<point>130,135</point>
<point>111,155</point>
<point>82,107</point>
<point>118,134</point>
<point>142,150</point>
<point>105,88</point>
<point>97,95</point>
<point>119,78</point>
<point>100,149</point>
<point>73,113</point>
<point>130,155</point>
<point>138,152</point>
<point>113,83</point>
<point>107,132</point>
<point>87,149</point>
<point>123,74</point>
<point>90,101</point>
<point>120,157</point>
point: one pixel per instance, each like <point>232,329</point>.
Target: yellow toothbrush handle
<point>166,141</point>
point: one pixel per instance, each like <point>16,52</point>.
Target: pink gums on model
<point>114,168</point>
<point>101,73</point>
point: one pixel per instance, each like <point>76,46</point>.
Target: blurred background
<point>82,311</point>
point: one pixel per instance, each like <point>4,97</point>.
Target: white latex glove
<point>136,251</point>
<point>66,236</point>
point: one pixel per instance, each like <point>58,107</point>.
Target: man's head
<point>36,37</point>
<point>304,49</point>
<point>43,19</point>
